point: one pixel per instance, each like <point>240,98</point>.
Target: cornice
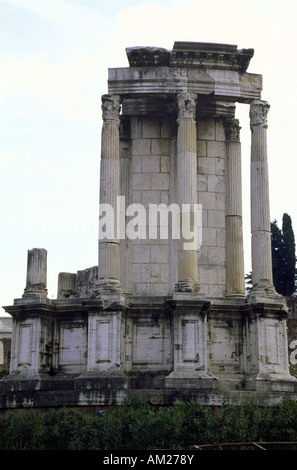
<point>192,54</point>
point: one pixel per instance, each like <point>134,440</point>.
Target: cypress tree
<point>289,255</point>
<point>277,257</point>
<point>283,256</point>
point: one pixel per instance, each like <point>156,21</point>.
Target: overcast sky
<point>54,61</point>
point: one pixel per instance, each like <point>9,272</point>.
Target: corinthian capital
<point>258,113</point>
<point>232,129</point>
<point>111,105</point>
<point>186,105</point>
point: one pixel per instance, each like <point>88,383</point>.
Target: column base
<point>188,285</point>
<point>110,292</point>
<point>107,386</point>
<point>272,382</point>
<point>111,377</point>
<point>36,297</point>
<point>191,379</point>
<point>266,294</point>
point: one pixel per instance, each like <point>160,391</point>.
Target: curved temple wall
<point>161,317</point>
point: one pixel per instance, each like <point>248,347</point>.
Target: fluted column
<point>235,283</point>
<point>260,209</point>
<point>109,250</point>
<point>36,274</point>
<point>187,187</point>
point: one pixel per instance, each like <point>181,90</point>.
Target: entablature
<point>201,68</point>
<point>166,81</point>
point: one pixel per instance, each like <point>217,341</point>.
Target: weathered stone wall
<point>211,194</point>
<point>151,172</point>
<point>153,149</point>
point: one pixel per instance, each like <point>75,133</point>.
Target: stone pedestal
<point>104,375</point>
<point>190,346</point>
<point>268,365</point>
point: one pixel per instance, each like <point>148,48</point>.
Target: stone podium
<point>164,315</point>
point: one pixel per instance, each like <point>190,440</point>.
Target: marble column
<point>235,282</point>
<point>187,187</point>
<point>109,249</point>
<point>36,274</point>
<point>260,209</point>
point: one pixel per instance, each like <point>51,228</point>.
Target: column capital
<point>186,105</point>
<point>111,105</point>
<point>258,113</point>
<point>232,129</point>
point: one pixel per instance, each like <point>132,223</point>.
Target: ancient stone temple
<point>164,316</point>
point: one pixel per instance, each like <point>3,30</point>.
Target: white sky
<point>54,62</point>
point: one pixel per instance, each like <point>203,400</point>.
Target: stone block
<point>141,181</point>
<point>165,197</point>
<point>151,127</point>
<point>136,163</point>
<point>208,200</point>
<point>201,148</point>
<point>220,201</point>
<point>216,290</point>
<point>206,129</point>
<point>202,183</point>
<point>203,255</point>
<point>150,197</point>
<point>160,181</point>
<point>221,274</point>
<point>206,166</point>
<point>164,273</point>
<point>151,164</point>
<point>220,237</point>
<point>165,163</point>
<point>208,275</point>
<point>216,149</point>
<point>216,184</point>
<point>160,147</point>
<point>216,256</point>
<point>220,166</point>
<point>141,146</point>
<point>159,253</point>
<point>216,219</point>
<point>141,253</point>
<point>150,272</point>
<point>151,289</point>
<point>209,236</point>
<point>136,126</point>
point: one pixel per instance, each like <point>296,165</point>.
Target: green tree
<point>277,247</point>
<point>289,255</point>
<point>283,256</point>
